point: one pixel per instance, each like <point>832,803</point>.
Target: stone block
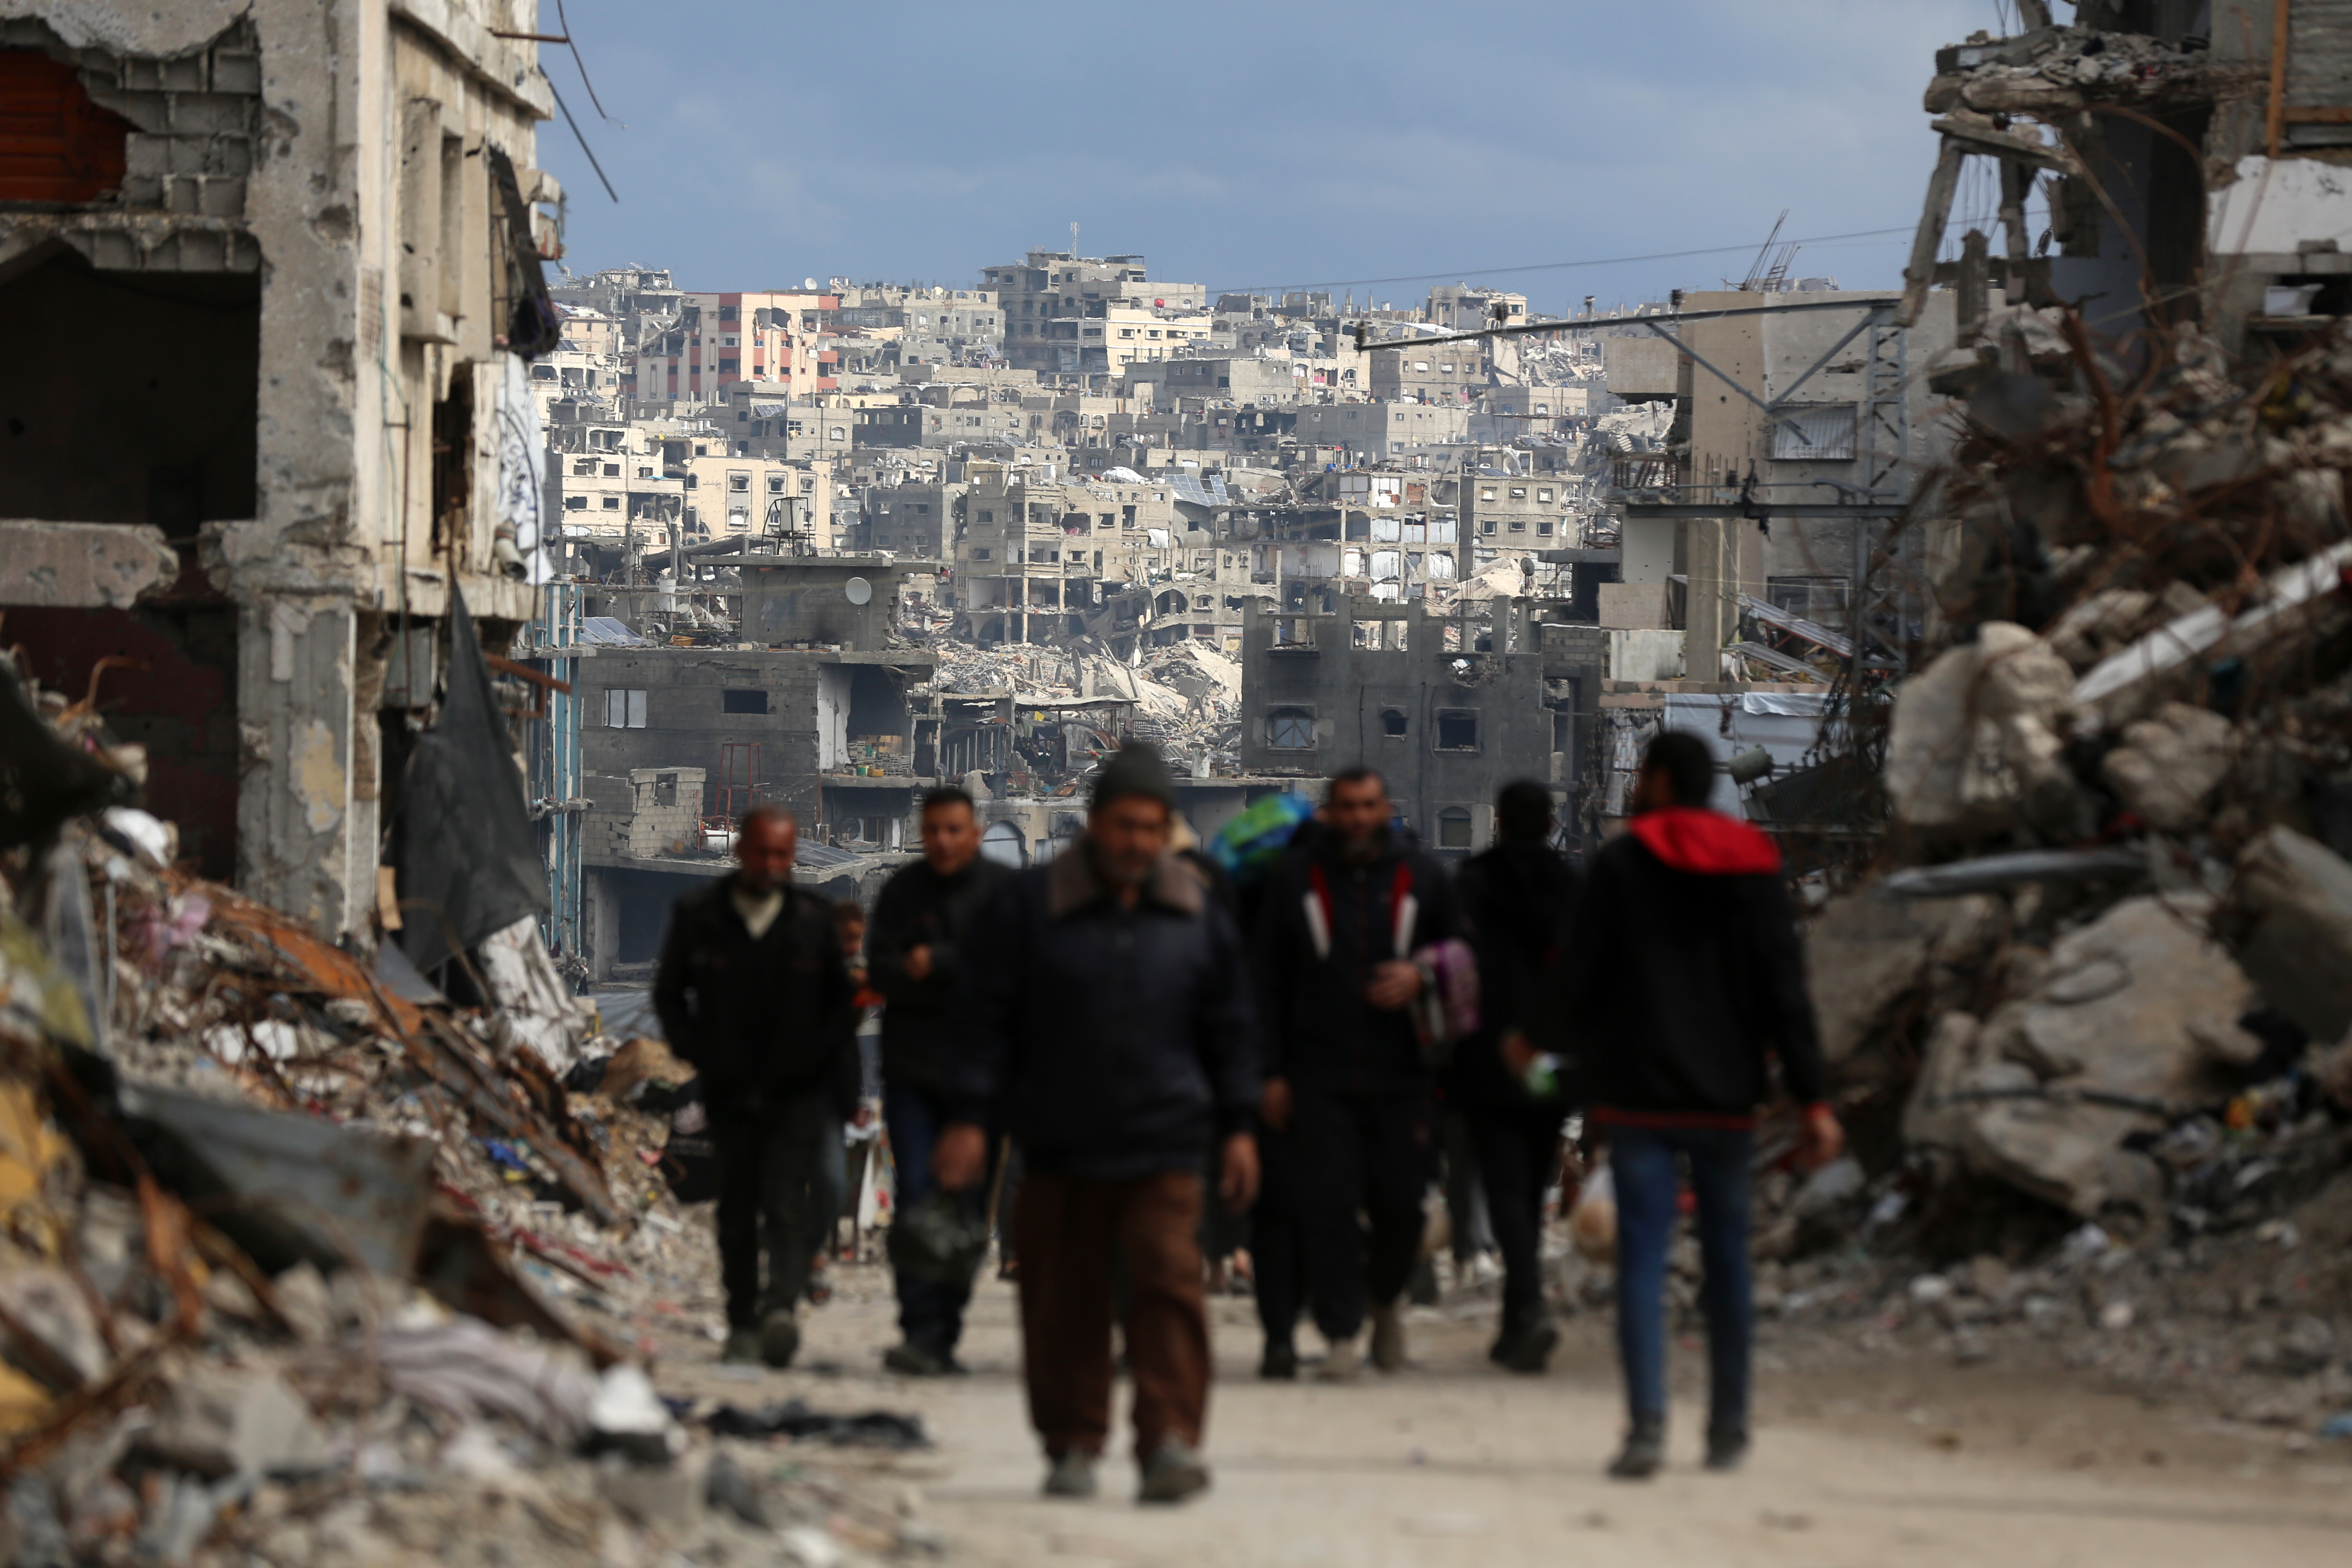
<point>2169,764</point>
<point>2290,916</point>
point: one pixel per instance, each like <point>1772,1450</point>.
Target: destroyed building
<point>275,276</point>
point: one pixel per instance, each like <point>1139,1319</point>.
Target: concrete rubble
<point>209,1353</point>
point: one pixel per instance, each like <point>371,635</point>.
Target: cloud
<point>1241,143</point>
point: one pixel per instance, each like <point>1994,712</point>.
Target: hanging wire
<point>571,41</point>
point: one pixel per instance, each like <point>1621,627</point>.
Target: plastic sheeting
<point>468,865</point>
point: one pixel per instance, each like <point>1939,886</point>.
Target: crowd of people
<point>1140,1056</point>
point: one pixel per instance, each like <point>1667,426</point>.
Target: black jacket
<point>758,1019</point>
<point>1312,967</point>
<point>1515,901</point>
<point>1685,975</point>
<point>1115,1043</point>
<point>919,908</point>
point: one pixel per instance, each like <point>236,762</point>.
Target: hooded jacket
<point>920,907</point>
<point>1327,923</point>
<point>1685,978</point>
<point>1116,1043</point>
<point>1515,901</point>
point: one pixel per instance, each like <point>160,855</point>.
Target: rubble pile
<point>2051,70</point>
<point>2100,985</point>
<point>302,1262</point>
<point>1186,695</point>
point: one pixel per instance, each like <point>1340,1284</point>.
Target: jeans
<point>1071,1232</point>
<point>779,1163</point>
<point>1518,1154</point>
<point>1644,1165</point>
<point>1358,1156</point>
<point>930,1311</point>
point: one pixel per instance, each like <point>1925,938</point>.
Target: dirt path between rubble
<point>1454,1463</point>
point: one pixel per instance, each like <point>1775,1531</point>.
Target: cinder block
<point>146,154</point>
<point>183,74</point>
<point>1632,607</point>
<point>188,153</point>
<point>236,70</point>
<point>229,155</point>
<point>141,75</point>
<point>221,196</point>
<point>182,193</point>
<point>209,112</point>
<point>142,190</point>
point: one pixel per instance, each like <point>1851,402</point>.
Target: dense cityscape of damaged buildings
<point>2012,600</point>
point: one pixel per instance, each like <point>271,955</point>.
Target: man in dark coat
<point>1514,903</point>
<point>916,948</point>
<point>1345,1074</point>
<point>1109,1021</point>
<point>753,992</point>
<point>1685,979</point>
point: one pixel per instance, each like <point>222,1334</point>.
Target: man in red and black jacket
<point>1345,1078</point>
<point>1683,980</point>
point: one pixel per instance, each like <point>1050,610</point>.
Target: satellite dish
<point>857,590</point>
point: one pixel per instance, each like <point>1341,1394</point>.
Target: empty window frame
<point>1290,729</point>
<point>1819,433</point>
<point>1392,722</point>
<point>1457,730</point>
<point>744,702</point>
<point>624,709</point>
<point>1453,827</point>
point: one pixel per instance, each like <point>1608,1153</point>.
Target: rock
<point>2308,1345</point>
<point>662,1496</point>
<point>809,1547</point>
<point>246,1422</point>
<point>2067,1154</point>
<point>2169,764</point>
<point>2331,1069</point>
<point>1990,1277</point>
<point>51,1332</point>
<point>2097,625</point>
<point>2289,915</point>
<point>1867,953</point>
<point>2140,1002</point>
<point>1975,742</point>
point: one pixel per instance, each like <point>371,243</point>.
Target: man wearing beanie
<point>1110,1028</point>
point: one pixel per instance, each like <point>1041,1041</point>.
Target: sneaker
<point>1643,1455</point>
<point>1342,1363</point>
<point>742,1345</point>
<point>1387,1338</point>
<point>1174,1472</point>
<point>1279,1364</point>
<point>1724,1450</point>
<point>1070,1475</point>
<point>780,1338</point>
<point>1529,1350</point>
<point>911,1360</point>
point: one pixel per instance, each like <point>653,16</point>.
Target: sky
<point>1371,147</point>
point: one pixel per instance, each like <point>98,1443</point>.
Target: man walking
<point>753,992</point>
<point>1515,907</point>
<point>1683,980</point>
<point>1107,1017</point>
<point>915,950</point>
<point>1345,1074</point>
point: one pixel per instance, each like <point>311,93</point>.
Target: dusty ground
<point>1865,1460</point>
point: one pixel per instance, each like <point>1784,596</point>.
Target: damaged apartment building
<point>272,275</point>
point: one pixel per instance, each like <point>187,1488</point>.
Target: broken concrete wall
<point>265,147</point>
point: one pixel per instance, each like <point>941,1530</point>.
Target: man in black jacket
<point>1109,1019</point>
<point>1345,1074</point>
<point>1684,977</point>
<point>915,947</point>
<point>752,993</point>
<point>1515,907</point>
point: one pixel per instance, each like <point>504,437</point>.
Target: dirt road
<point>1454,1463</point>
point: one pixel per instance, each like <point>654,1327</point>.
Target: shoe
<point>1724,1450</point>
<point>911,1360</point>
<point>1070,1475</point>
<point>1342,1363</point>
<point>742,1345</point>
<point>1279,1364</point>
<point>780,1338</point>
<point>1387,1338</point>
<point>1174,1472</point>
<point>1643,1455</point>
<point>1529,1350</point>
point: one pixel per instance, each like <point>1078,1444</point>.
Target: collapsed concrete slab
<point>2290,915</point>
<point>1977,737</point>
<point>1868,955</point>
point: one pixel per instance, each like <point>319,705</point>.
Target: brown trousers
<point>1065,1229</point>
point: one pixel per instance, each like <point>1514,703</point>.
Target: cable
<point>571,40</point>
<point>1556,266</point>
<point>576,136</point>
